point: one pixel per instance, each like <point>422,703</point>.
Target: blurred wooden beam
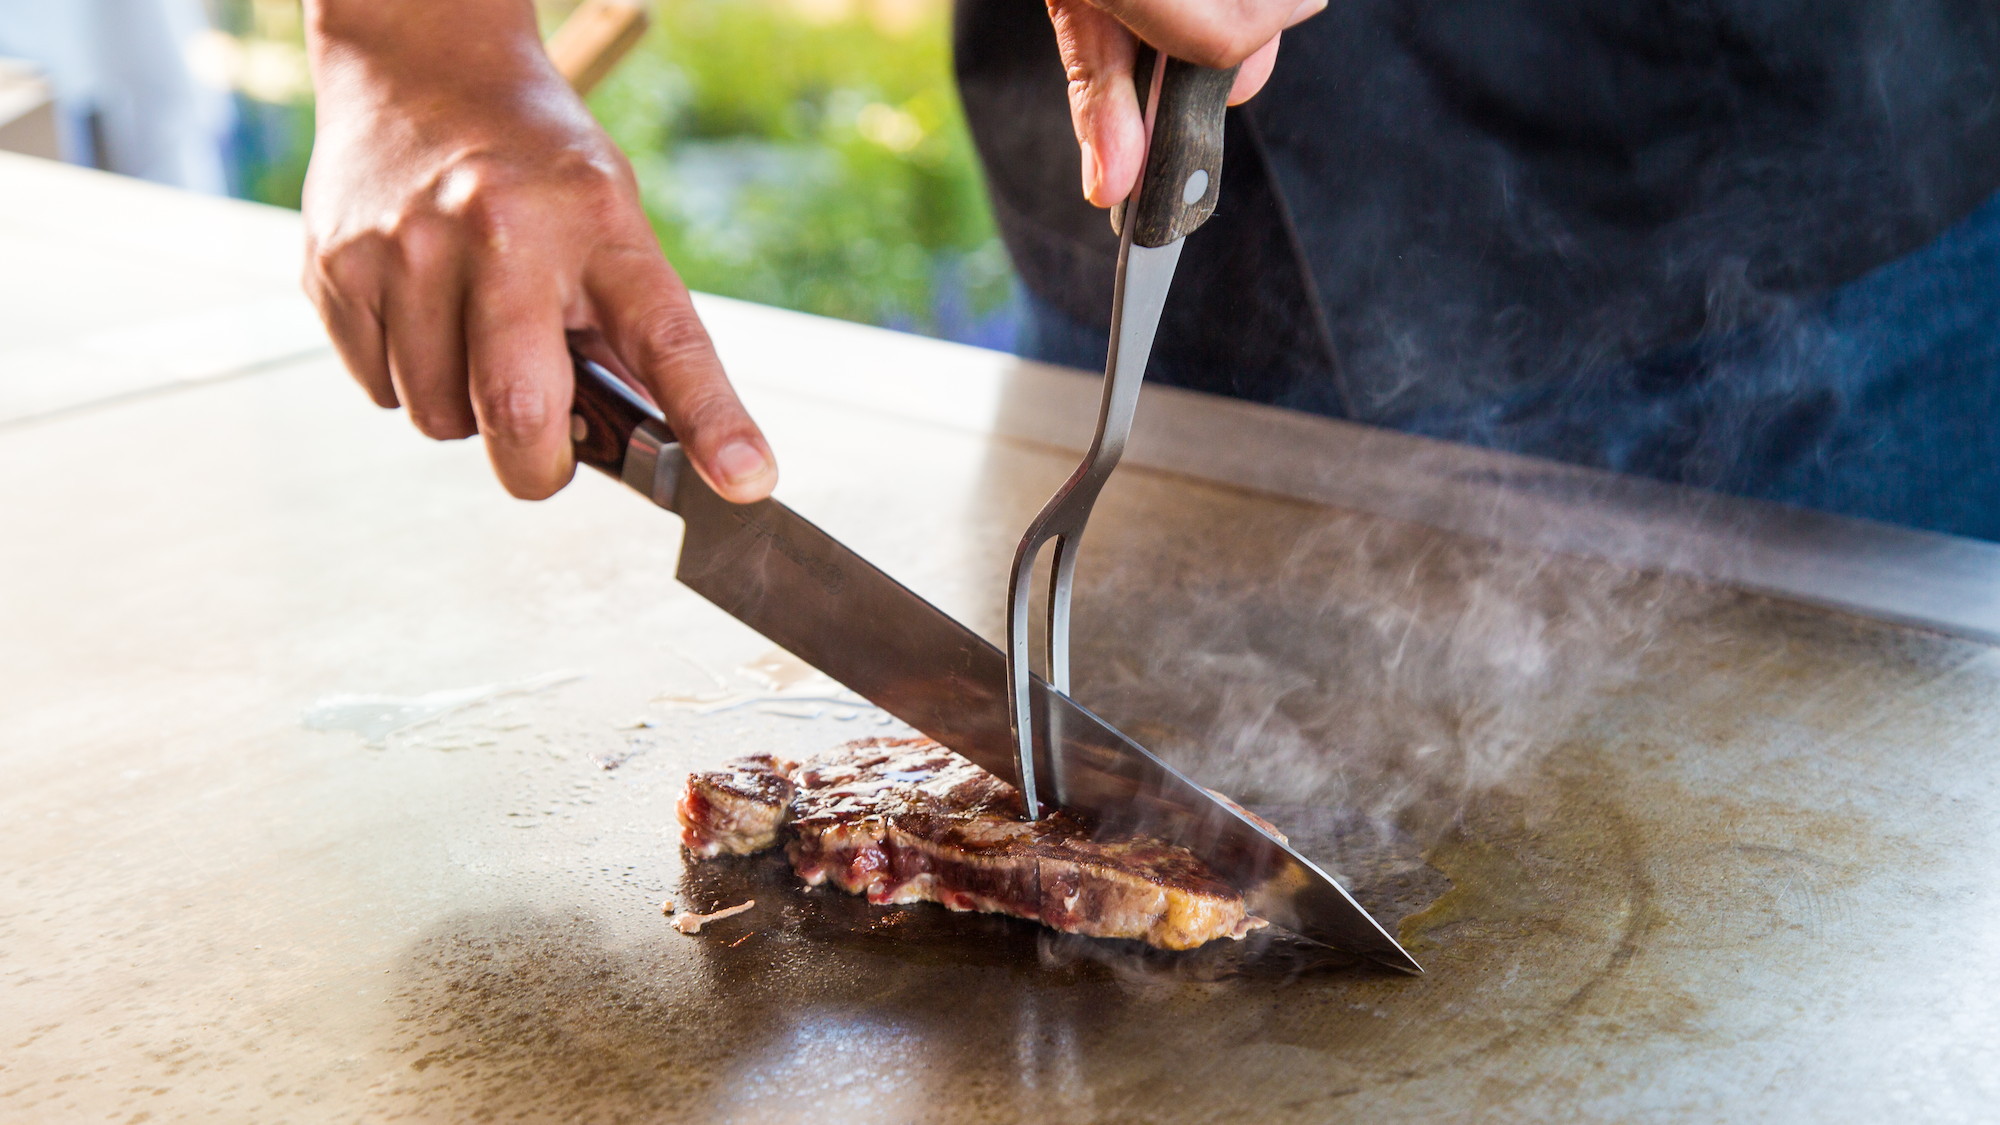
<point>590,43</point>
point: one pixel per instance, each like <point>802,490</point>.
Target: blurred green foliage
<point>274,109</point>
<point>809,154</point>
<point>812,155</point>
<point>280,135</point>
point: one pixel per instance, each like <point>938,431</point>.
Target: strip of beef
<point>738,809</point>
<point>905,821</point>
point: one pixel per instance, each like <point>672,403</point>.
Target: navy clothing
<point>1737,244</point>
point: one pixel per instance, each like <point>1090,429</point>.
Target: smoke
<point>1383,668</point>
<point>1724,264</point>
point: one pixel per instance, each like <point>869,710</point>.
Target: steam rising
<point>1382,668</point>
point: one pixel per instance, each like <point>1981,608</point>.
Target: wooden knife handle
<point>1184,161</point>
<point>604,415</point>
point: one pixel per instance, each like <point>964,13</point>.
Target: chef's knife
<point>766,566</point>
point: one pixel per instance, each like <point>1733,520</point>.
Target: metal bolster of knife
<point>621,435</point>
<point>653,463</point>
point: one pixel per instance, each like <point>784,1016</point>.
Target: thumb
<point>1098,55</point>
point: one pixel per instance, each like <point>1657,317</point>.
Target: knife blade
<point>771,569</point>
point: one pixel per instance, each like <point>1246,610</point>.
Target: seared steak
<point>737,809</point>
<point>905,820</point>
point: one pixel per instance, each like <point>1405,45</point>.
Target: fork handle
<point>1184,159</point>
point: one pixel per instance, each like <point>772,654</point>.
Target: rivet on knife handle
<point>1184,162</point>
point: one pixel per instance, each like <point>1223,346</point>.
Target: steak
<point>738,809</point>
<point>906,821</point>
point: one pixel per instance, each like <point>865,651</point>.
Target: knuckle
<point>347,267</point>
<point>597,190</point>
<point>712,413</point>
<point>580,170</point>
<point>492,216</point>
<point>1085,99</point>
<point>1088,86</point>
<point>671,335</point>
<point>469,178</point>
<point>493,211</point>
<point>514,411</point>
<point>707,411</point>
<point>479,194</point>
<point>423,242</point>
<point>492,197</point>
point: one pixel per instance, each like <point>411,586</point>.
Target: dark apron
<point>1438,205</point>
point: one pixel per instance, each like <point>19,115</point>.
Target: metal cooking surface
<point>1691,853</point>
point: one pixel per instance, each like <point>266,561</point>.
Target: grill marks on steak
<point>736,810</point>
<point>905,821</point>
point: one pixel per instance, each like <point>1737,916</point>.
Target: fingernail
<point>1093,173</point>
<point>740,462</point>
<point>1305,11</point>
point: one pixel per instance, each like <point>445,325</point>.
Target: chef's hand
<point>463,212</point>
<point>1099,40</point>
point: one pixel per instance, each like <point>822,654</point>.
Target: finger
<point>645,314</point>
<point>423,313</point>
<point>352,323</point>
<point>519,375</point>
<point>1305,10</point>
<point>1254,72</point>
<point>1098,55</point>
<point>1218,33</point>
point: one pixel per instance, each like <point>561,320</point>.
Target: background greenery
<point>809,154</point>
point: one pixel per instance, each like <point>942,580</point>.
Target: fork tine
<point>1019,700</point>
<point>1062,576</point>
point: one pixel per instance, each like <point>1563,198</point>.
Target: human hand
<point>464,215</point>
<point>1099,40</point>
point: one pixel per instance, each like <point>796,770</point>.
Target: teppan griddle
<point>1669,850</point>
